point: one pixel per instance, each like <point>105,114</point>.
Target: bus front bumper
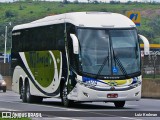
<point>82,93</point>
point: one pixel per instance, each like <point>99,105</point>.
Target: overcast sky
<point>87,0</point>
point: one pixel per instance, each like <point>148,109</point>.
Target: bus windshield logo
<point>115,70</point>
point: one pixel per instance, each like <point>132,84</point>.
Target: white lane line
<point>110,115</point>
<point>131,118</point>
<point>6,109</point>
<point>131,105</point>
<point>44,106</point>
<point>56,118</point>
<point>66,118</point>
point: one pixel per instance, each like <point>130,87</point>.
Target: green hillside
<point>22,12</point>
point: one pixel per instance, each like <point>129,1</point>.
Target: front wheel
<point>119,104</point>
<point>66,102</point>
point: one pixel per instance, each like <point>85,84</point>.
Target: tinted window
<point>39,38</point>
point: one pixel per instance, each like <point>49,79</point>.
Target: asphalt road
<point>51,108</point>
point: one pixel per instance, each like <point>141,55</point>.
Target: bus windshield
<point>106,52</point>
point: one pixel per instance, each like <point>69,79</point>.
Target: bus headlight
<point>136,82</point>
<point>89,82</point>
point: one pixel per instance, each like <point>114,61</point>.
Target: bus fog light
<point>85,94</point>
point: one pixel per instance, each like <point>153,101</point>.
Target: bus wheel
<point>66,102</point>
<point>119,104</point>
<point>21,91</point>
<point>29,97</point>
<point>23,94</point>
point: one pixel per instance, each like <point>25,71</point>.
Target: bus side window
<point>16,42</point>
<point>23,39</point>
<point>51,39</point>
<point>60,39</point>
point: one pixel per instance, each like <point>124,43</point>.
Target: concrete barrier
<point>150,87</point>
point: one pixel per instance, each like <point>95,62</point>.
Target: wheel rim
<point>21,91</point>
<point>28,93</point>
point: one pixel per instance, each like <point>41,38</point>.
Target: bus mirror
<point>61,44</point>
<point>75,44</point>
<point>146,44</point>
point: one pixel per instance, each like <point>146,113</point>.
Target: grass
<point>25,118</point>
<point>151,76</point>
<point>23,12</point>
<point>40,9</point>
<point>35,10</point>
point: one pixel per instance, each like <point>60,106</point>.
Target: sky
<point>87,0</point>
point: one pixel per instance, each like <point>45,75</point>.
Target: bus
<point>78,57</point>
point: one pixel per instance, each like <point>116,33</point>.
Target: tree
<point>114,2</point>
<point>10,13</point>
<point>65,1</point>
<point>76,2</point>
<point>2,43</point>
<point>95,2</point>
<point>29,0</point>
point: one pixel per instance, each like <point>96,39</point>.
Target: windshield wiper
<point>116,59</point>
<point>102,66</point>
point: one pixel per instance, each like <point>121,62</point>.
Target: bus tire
<point>119,104</point>
<point>65,101</point>
<point>29,97</point>
<point>20,88</point>
<point>23,94</point>
<point>21,91</point>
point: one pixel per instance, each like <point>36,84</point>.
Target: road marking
<point>115,116</point>
<point>6,109</point>
<point>56,118</point>
<point>131,118</point>
<point>131,105</point>
<point>66,118</point>
<point>44,105</point>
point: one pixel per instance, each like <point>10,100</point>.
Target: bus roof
<point>83,19</point>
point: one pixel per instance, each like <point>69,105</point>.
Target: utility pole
<point>5,44</point>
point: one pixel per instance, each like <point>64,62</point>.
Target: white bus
<point>79,57</point>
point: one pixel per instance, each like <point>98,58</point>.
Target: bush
<point>9,14</point>
<point>21,7</point>
<point>149,34</point>
<point>155,25</point>
<point>31,12</point>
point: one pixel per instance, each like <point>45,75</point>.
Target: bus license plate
<point>112,95</point>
